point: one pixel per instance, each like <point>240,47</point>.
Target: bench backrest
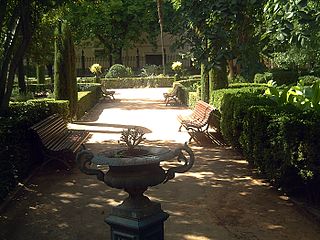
<point>202,111</point>
<point>50,129</point>
<point>104,89</point>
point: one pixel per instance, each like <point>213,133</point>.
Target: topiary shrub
<point>119,70</point>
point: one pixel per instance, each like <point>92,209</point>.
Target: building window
<point>154,60</point>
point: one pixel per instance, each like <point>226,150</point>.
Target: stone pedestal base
<point>137,224</point>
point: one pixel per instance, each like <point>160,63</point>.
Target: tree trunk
<point>231,70</point>
<point>50,72</point>
<point>9,47</point>
<point>204,84</point>
<point>21,78</point>
<point>160,15</point>
<point>41,74</point>
<point>24,27</point>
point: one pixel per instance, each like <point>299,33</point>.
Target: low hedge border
<point>87,99</point>
<point>16,161</point>
<point>137,82</point>
<point>282,142</point>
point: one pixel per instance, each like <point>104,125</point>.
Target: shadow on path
<point>220,198</point>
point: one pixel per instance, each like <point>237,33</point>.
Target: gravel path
<point>220,198</point>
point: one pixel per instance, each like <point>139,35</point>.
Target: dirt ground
<point>220,198</point>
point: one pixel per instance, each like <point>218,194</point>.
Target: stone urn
<point>137,217</point>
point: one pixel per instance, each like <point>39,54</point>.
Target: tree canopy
<point>116,24</point>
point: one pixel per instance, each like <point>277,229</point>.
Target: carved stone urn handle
<point>188,160</point>
<point>84,161</point>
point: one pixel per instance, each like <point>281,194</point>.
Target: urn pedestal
<point>137,217</point>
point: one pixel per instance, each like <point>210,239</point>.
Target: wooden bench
<point>52,140</point>
<point>198,120</point>
<point>172,95</point>
<point>107,94</point>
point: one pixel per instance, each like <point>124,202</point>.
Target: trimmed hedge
<point>282,77</point>
<point>137,82</point>
<point>16,161</point>
<point>193,98</point>
<point>86,100</point>
<point>282,142</point>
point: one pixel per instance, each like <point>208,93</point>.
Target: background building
<point>137,57</point>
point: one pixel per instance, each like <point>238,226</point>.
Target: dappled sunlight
<point>113,202</point>
<point>219,198</point>
<point>69,184</point>
<point>274,227</point>
<point>194,237</point>
<point>94,205</point>
<point>63,225</point>
<point>68,195</point>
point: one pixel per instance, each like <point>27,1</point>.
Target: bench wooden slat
<point>55,138</point>
<point>106,93</point>
<point>172,95</point>
<point>198,120</point>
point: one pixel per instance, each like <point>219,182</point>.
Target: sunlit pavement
<point>218,199</point>
<point>142,108</point>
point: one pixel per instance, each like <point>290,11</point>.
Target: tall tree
<point>217,32</point>
<point>18,20</point>
<point>116,24</point>
<point>160,15</point>
<point>65,80</point>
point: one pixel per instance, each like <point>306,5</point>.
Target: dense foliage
<point>119,70</point>
<point>16,159</point>
<point>300,96</point>
<point>116,24</point>
<point>282,142</point>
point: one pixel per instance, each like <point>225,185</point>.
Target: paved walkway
<point>219,199</point>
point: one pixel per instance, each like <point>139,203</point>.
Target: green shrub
<point>137,82</point>
<point>150,70</point>
<point>88,86</point>
<point>238,79</point>
<point>190,84</point>
<point>285,77</point>
<point>16,161</point>
<point>263,77</point>
<point>299,96</point>
<point>281,141</point>
<point>309,79</point>
<point>193,98</point>
<point>118,70</point>
<point>86,100</point>
<point>246,85</point>
<point>217,97</point>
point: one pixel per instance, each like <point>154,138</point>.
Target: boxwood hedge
<point>282,142</point>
